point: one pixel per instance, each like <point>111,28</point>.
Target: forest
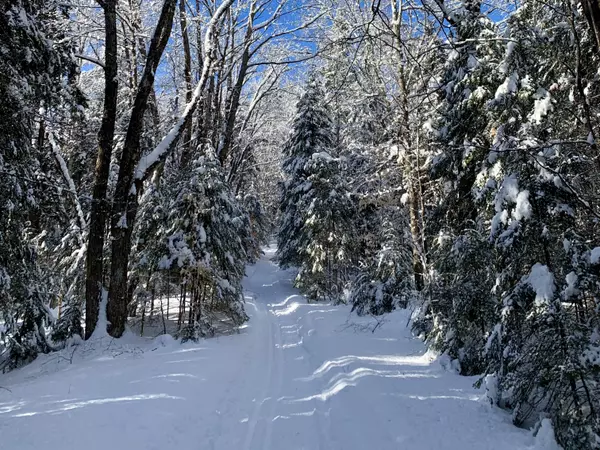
<point>438,156</point>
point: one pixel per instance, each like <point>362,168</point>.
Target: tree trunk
<point>200,123</point>
<point>412,170</point>
<point>125,201</point>
<point>140,45</point>
<point>187,56</point>
<point>415,231</point>
<point>100,209</point>
<point>592,15</point>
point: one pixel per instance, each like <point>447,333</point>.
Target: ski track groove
<point>323,426</point>
<point>279,366</point>
<point>255,417</point>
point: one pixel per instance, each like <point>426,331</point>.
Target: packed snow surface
<point>298,376</point>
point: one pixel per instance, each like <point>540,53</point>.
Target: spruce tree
<point>544,345</point>
<point>456,313</point>
<point>328,230</point>
<point>33,81</point>
<point>315,207</point>
<point>311,133</point>
<point>197,231</point>
<point>385,280</point>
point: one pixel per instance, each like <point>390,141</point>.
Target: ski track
<point>296,378</point>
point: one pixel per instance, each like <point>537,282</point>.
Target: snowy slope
<point>299,376</point>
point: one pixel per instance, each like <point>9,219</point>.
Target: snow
<point>571,289</point>
<point>491,389</point>
<point>508,87</point>
<point>541,281</point>
<point>544,439</point>
<point>523,207</point>
<point>590,138</point>
<point>472,62</point>
<point>201,234</point>
<point>122,223</point>
<point>595,256</point>
<point>404,199</point>
<point>509,193</point>
<point>541,106</point>
<point>324,156</point>
<point>510,47</point>
<point>102,324</point>
<point>298,376</point>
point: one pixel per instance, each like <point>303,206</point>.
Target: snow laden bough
<point>385,282</point>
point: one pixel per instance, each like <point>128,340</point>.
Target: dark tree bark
<point>125,202</point>
<point>100,208</point>
<point>591,9</point>
<point>140,46</point>
<point>199,126</point>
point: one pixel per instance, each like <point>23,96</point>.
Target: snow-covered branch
<point>150,161</point>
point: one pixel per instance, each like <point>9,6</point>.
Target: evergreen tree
<point>385,280</point>
<point>327,230</point>
<point>200,234</point>
<point>458,308</point>
<point>541,346</point>
<point>315,207</point>
<point>311,133</point>
<point>33,80</point>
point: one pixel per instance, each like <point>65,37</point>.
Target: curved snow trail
<point>299,376</point>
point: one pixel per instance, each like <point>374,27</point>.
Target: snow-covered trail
<point>300,376</point>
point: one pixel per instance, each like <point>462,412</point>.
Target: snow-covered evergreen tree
<point>34,75</point>
<point>385,280</point>
<point>544,139</point>
<point>459,128</point>
<point>200,234</point>
<point>315,207</point>
<point>327,229</point>
<point>311,133</point>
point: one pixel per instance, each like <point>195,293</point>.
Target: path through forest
<point>299,376</point>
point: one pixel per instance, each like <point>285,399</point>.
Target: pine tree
<point>542,346</point>
<point>315,206</point>
<point>33,75</point>
<point>311,134</point>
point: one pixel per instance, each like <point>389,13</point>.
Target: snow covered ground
<point>299,376</point>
